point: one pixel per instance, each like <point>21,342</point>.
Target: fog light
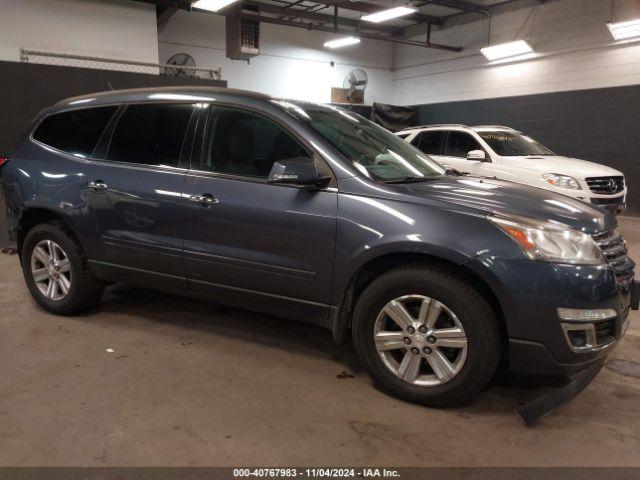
<point>578,338</point>
<point>581,337</point>
<point>579,315</point>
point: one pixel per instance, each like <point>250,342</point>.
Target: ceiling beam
<point>330,29</point>
<point>465,17</point>
<point>180,4</point>
<point>164,15</point>
<point>502,6</point>
<point>463,5</point>
<point>366,7</point>
<point>288,13</point>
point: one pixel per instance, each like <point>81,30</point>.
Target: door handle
<point>205,199</point>
<point>98,185</point>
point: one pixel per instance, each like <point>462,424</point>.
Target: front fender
<point>397,246</point>
<point>371,228</point>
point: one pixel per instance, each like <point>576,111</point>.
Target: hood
<point>573,167</point>
<point>487,196</point>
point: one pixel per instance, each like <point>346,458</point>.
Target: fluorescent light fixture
<point>389,14</point>
<point>509,50</point>
<point>342,42</point>
<point>625,30</point>
<point>212,5</point>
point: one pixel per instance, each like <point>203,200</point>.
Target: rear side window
<point>150,134</point>
<point>430,142</point>
<point>75,132</point>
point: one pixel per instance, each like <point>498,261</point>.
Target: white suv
<point>505,153</point>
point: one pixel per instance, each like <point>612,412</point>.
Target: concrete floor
<point>188,383</point>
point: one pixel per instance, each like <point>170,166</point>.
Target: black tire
<point>85,290</point>
<point>472,310</point>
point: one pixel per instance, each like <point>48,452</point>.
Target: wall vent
<point>243,36</point>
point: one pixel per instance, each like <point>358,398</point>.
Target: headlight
<point>561,181</point>
<point>551,243</point>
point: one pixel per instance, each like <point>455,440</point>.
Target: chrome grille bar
<point>614,250</point>
<point>606,185</point>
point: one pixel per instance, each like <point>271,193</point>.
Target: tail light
<point>3,160</point>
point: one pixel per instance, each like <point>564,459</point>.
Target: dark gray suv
<point>314,213</point>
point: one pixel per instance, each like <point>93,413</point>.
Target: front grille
<point>614,249</point>
<point>605,331</point>
<point>605,185</point>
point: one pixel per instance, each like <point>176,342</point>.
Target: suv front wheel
<point>426,336</point>
<point>56,271</point>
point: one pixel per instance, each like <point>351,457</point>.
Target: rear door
<point>251,241</point>
<point>135,193</point>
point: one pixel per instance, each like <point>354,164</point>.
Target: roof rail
<point>435,125</point>
<point>492,126</point>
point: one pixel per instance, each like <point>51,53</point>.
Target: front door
<point>458,145</point>
<point>135,194</point>
<point>250,241</point>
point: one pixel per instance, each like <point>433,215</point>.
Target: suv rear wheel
<point>56,271</point>
<point>426,336</point>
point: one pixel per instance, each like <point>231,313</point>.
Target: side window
<point>461,143</point>
<point>430,142</point>
<point>246,144</point>
<point>150,134</point>
<point>403,136</point>
<point>76,131</point>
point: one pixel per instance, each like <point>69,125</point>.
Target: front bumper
<point>615,205</point>
<point>530,293</point>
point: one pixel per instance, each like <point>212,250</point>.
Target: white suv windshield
<point>511,144</point>
<point>376,152</point>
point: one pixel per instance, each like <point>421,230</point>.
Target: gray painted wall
<point>600,125</point>
<point>28,88</point>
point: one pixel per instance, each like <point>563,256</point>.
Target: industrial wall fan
<point>179,64</point>
<point>354,85</point>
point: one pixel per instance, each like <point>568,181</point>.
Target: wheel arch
<point>341,324</point>
<point>33,216</point>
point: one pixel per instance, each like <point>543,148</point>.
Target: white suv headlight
<point>561,181</point>
<point>551,243</point>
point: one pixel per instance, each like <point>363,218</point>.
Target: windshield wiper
<point>452,172</point>
<point>413,179</point>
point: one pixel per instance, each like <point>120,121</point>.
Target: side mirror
<point>297,171</point>
<point>477,156</point>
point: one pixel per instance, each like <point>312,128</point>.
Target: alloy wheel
<point>420,340</point>
<point>51,270</point>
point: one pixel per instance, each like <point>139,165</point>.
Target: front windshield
<point>376,152</point>
<point>511,144</point>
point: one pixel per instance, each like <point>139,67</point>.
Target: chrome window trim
<point>188,170</point>
<point>105,161</point>
<point>264,181</point>
<point>138,166</point>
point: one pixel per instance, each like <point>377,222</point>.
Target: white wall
<point>575,50</point>
<point>117,29</point>
<point>292,62</point>
<point>575,47</point>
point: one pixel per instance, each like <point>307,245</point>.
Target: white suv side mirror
<point>477,155</point>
